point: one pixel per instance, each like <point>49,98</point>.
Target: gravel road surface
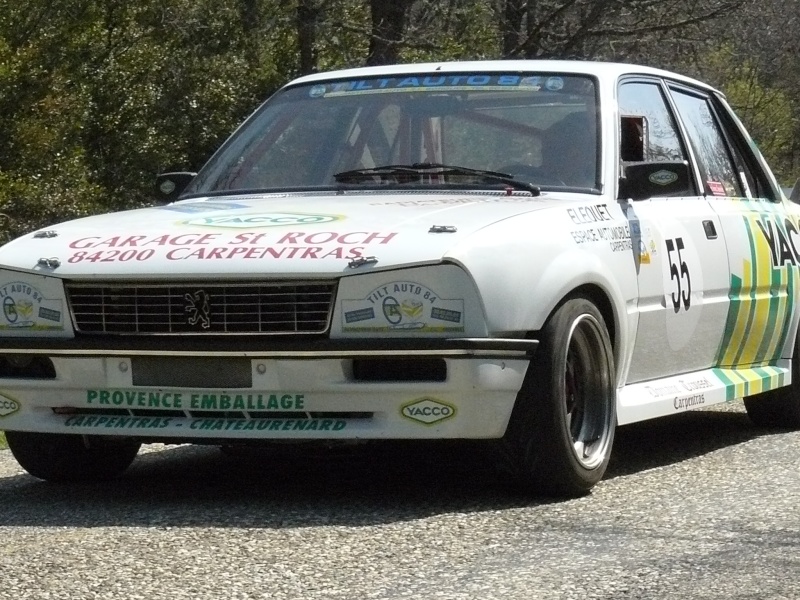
<point>701,505</point>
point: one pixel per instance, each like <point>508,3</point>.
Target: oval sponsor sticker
<point>8,406</point>
<point>428,411</point>
<point>663,177</point>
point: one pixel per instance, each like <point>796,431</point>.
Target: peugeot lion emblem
<point>198,309</point>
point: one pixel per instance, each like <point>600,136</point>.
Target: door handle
<point>710,229</point>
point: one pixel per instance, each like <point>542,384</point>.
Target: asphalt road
<point>701,505</point>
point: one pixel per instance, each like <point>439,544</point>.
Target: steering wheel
<point>531,174</point>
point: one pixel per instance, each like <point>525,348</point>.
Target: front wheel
<point>66,458</point>
<point>559,438</point>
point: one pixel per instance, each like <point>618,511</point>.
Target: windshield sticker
<point>403,305</point>
<point>434,83</point>
<point>262,220</point>
<point>24,307</point>
<point>201,207</point>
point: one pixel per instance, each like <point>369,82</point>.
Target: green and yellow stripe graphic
<point>745,382</point>
<point>761,303</point>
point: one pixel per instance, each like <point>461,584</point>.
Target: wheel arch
<point>600,298</point>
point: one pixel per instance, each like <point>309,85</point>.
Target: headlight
<point>438,301</point>
<point>33,305</point>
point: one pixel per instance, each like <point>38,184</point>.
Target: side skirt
<point>670,395</point>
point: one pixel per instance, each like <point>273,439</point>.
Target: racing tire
<point>65,458</point>
<point>559,437</point>
<point>778,408</point>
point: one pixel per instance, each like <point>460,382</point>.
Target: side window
<point>717,165</point>
<point>751,174</point>
<point>648,130</point>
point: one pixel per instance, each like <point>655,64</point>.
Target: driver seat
<point>568,150</point>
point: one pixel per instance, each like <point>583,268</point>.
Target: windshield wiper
<point>435,169</point>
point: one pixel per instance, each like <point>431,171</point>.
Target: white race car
<point>526,252</point>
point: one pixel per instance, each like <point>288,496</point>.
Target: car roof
<point>602,70</point>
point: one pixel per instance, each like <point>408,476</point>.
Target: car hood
<point>280,234</point>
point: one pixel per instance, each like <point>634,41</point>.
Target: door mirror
<point>171,185</point>
<point>643,180</point>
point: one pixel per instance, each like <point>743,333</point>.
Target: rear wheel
<point>67,458</point>
<point>779,408</point>
<point>561,431</point>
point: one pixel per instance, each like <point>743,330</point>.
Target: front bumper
<point>202,389</point>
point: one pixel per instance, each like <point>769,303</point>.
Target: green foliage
<point>767,112</point>
<point>98,97</point>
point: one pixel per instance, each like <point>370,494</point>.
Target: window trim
<point>738,151</point>
<point>738,139</point>
<point>683,138</point>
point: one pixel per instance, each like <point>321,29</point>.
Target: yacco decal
<point>427,410</point>
<point>249,221</point>
<point>25,307</point>
<point>762,297</point>
<point>403,305</point>
<point>8,406</point>
<point>745,382</point>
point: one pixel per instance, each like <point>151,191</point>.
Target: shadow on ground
<point>290,486</point>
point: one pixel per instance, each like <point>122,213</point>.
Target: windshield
<point>538,128</point>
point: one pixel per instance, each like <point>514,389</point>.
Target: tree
<point>388,28</point>
<point>97,96</point>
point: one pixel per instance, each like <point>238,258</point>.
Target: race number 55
<point>679,274</point>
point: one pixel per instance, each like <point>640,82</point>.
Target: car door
<point>682,267</point>
<point>762,237</point>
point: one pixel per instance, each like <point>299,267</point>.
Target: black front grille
<point>202,308</point>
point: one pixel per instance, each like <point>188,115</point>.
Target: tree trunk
<point>388,26</point>
<point>307,14</point>
<point>511,27</point>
